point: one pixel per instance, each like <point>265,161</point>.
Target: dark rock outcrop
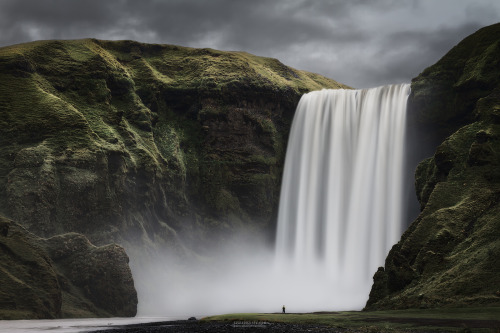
<point>101,274</point>
<point>29,286</point>
<point>450,255</point>
<point>63,276</point>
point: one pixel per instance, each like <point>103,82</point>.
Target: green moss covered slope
<point>450,256</point>
<point>141,144</point>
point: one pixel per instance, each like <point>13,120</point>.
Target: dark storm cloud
<point>420,49</point>
<point>358,42</point>
<point>22,21</point>
<point>403,55</point>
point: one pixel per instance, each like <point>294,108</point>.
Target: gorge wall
<point>147,146</point>
<point>142,144</point>
<point>450,255</point>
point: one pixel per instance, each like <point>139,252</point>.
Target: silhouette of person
<point>283,309</point>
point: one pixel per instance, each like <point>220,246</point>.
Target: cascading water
<point>340,212</point>
<point>342,194</point>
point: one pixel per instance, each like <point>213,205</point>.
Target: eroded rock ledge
<point>62,276</point>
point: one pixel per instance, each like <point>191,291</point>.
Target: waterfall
<point>342,196</point>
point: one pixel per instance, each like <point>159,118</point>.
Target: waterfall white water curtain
<point>340,212</point>
<point>342,195</point>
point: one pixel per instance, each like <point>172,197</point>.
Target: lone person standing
<point>283,308</point>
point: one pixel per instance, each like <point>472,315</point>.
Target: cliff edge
<point>142,144</point>
<point>450,255</point>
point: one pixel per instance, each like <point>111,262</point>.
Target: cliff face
<point>450,255</point>
<point>63,276</point>
<point>143,144</point>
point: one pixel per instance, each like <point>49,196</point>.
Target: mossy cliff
<point>450,255</point>
<point>63,276</point>
<point>143,144</point>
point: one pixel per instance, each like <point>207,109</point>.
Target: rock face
<point>141,144</point>
<point>101,274</point>
<point>63,276</point>
<point>147,146</point>
<point>450,255</point>
<point>28,282</point>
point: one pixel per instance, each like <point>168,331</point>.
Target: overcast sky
<point>362,43</point>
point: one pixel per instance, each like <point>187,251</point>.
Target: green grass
<point>392,320</point>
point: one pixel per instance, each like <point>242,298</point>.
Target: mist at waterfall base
<point>340,212</point>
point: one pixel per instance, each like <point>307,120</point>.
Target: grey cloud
<point>418,50</point>
<point>52,19</point>
<point>397,58</point>
<point>358,42</point>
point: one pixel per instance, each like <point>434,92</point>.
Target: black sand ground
<point>184,326</point>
